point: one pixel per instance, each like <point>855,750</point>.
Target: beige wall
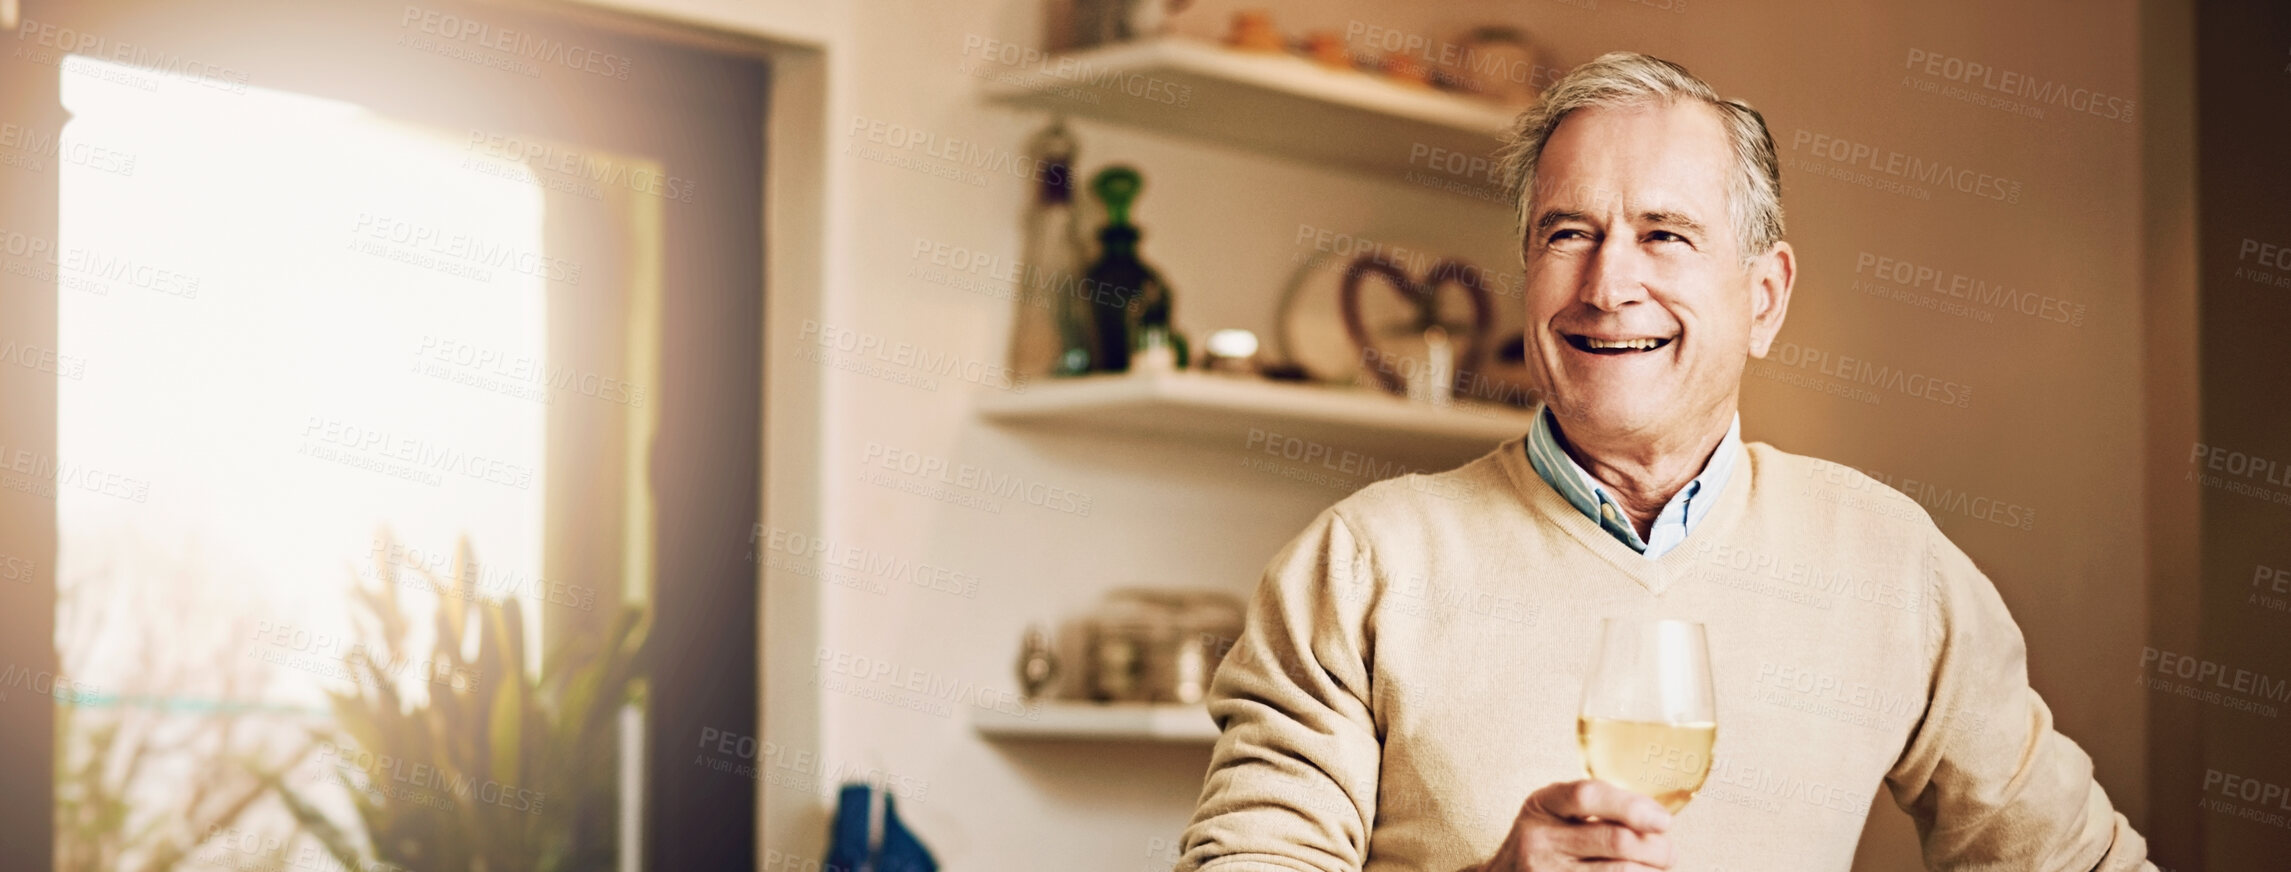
<point>2053,422</point>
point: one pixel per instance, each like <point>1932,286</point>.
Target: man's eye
<point>1568,235</point>
<point>1666,236</point>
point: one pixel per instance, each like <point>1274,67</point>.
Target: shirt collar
<point>1678,517</point>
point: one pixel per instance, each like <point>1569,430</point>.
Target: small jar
<point>1127,635</point>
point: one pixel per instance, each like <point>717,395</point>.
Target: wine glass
<point>1648,720</point>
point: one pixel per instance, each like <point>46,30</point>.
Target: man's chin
<point>1607,416</point>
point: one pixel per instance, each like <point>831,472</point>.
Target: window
<point>297,343</point>
<point>310,299</point>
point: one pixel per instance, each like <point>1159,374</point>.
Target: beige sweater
<point>1413,664</point>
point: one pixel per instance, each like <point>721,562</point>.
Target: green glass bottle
<point>1127,302</point>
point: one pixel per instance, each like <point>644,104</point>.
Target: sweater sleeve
<point>1988,781</point>
<point>1292,783</point>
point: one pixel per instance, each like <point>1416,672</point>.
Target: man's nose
<point>1617,275</point>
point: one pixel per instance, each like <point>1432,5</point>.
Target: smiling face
<point>1641,312</point>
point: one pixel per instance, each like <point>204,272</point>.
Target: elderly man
<point>1386,710</point>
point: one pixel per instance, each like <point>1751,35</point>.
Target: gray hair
<point>1620,79</point>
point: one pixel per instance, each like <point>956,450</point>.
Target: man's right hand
<point>1586,824</point>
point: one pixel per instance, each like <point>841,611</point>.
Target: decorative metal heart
<point>1423,295</point>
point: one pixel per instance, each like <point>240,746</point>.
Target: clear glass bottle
<point>1052,258</point>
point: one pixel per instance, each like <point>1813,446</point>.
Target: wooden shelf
<point>1273,103</point>
<point>1101,722</point>
<point>1249,414</point>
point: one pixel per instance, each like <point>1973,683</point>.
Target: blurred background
<point>588,435</point>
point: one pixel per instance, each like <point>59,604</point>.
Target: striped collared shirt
<point>1677,518</point>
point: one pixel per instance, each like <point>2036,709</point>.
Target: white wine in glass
<point>1649,721</point>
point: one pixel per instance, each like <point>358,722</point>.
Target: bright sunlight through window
<point>289,329</point>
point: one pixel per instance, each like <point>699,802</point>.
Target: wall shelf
<point>1248,414</point>
<point>1101,722</point>
<point>1287,107</point>
<point>1273,103</point>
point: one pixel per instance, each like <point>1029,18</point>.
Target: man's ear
<point>1771,276</point>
